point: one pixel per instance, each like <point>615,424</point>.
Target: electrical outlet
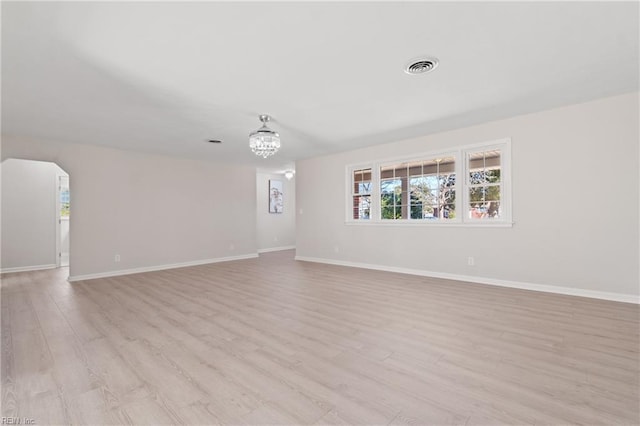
<point>275,239</point>
<point>116,258</point>
<point>471,261</point>
<point>232,247</point>
<point>336,249</point>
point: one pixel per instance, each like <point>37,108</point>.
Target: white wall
<point>581,159</point>
<point>151,210</point>
<point>275,230</point>
<point>29,214</point>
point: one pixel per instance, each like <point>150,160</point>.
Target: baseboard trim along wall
<point>160,267</point>
<point>617,297</point>
<point>267,250</point>
<point>28,268</point>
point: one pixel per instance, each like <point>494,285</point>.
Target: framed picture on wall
<point>276,203</point>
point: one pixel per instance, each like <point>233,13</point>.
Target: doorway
<point>64,214</point>
<point>35,215</point>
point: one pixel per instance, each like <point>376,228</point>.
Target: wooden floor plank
<point>275,341</point>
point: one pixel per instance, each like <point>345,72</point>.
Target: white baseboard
<point>159,267</point>
<point>267,250</point>
<point>28,268</point>
<point>618,297</point>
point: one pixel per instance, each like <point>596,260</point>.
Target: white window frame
<point>462,187</point>
<point>392,162</point>
<point>504,145</point>
<point>351,194</point>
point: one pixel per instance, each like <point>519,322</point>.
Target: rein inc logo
<point>17,421</point>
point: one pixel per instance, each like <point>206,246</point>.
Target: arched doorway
<point>36,207</point>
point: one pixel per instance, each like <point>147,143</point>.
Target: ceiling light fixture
<point>289,174</point>
<point>421,66</point>
<point>264,142</point>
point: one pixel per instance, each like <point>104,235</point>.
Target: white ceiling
<point>165,77</point>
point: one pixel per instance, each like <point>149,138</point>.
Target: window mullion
<point>375,192</point>
<point>462,187</point>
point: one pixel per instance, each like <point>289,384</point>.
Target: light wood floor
<point>271,340</point>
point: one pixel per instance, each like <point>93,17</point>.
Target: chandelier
<point>264,142</point>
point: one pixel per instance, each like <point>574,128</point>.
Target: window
<point>361,194</point>
<point>417,190</point>
<point>426,189</point>
<point>65,199</point>
<point>393,192</point>
<point>484,185</point>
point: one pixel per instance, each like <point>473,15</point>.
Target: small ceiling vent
<point>214,141</point>
<point>421,66</point>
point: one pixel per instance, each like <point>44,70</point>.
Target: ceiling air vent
<point>421,66</point>
<point>214,141</point>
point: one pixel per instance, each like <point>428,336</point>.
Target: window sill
<point>432,224</point>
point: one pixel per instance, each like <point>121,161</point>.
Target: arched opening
<point>36,213</point>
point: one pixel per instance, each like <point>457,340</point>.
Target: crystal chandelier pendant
<point>264,142</point>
